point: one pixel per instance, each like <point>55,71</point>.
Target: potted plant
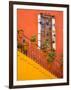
<point>25,46</point>
<point>19,46</point>
<point>51,56</point>
<point>33,38</point>
<point>20,34</point>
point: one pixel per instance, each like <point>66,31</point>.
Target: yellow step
<point>27,69</point>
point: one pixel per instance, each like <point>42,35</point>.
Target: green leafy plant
<point>33,38</point>
<point>20,34</point>
<point>45,45</point>
<point>25,45</point>
<point>51,56</point>
<point>50,60</point>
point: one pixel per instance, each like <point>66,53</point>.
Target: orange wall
<point>28,21</point>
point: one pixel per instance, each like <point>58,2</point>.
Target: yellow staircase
<point>27,69</point>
